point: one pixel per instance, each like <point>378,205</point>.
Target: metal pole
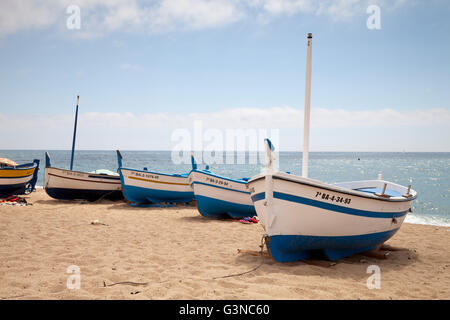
<point>74,133</point>
<point>307,110</point>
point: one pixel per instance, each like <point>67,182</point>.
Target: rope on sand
<point>263,242</point>
<point>103,196</point>
<point>94,222</point>
<point>129,283</point>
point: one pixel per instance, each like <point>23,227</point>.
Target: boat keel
<point>83,194</point>
<point>289,248</point>
<point>215,208</point>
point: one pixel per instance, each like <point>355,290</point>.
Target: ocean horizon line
<point>160,150</point>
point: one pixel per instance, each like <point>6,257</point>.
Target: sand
<point>174,253</point>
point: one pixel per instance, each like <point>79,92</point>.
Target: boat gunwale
<point>360,194</point>
<point>25,166</point>
<point>105,177</point>
<point>218,176</point>
<point>219,187</point>
<point>175,175</point>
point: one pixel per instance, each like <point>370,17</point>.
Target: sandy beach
<point>174,253</point>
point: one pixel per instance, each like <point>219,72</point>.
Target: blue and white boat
<point>142,187</point>
<point>16,179</point>
<point>220,197</point>
<point>302,216</point>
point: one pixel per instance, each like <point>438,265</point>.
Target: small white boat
<point>220,197</point>
<point>65,184</point>
<point>302,216</point>
<point>142,187</point>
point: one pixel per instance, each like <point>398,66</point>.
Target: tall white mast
<point>307,109</point>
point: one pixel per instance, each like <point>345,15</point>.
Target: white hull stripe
<point>329,206</point>
<point>219,187</point>
<point>14,180</point>
<point>355,193</point>
<point>90,181</point>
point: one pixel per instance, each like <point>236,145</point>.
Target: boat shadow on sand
<point>198,218</point>
<point>128,207</point>
<point>81,202</point>
<point>354,267</point>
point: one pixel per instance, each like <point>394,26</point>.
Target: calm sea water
<point>429,173</point>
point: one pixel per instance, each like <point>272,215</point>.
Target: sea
<point>427,172</point>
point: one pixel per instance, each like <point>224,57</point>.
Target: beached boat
<point>143,187</point>
<point>302,216</point>
<point>16,179</point>
<point>65,184</point>
<point>220,197</point>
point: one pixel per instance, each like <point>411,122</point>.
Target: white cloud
<point>99,17</point>
<point>277,7</point>
<point>372,130</point>
<point>194,14</point>
<point>342,9</point>
<point>121,15</point>
<point>337,10</point>
<point>276,117</point>
<point>20,15</point>
<point>102,16</point>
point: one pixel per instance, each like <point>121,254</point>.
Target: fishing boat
<point>63,184</point>
<point>303,216</point>
<point>143,187</point>
<point>220,197</point>
<point>16,179</point>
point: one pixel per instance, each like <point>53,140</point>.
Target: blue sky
<point>231,60</point>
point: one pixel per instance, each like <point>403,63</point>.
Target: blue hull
<point>147,196</point>
<point>89,195</point>
<point>288,248</point>
<point>214,208</point>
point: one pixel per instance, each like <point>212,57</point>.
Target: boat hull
<point>8,188</point>
<point>220,197</point>
<point>83,194</point>
<point>306,217</point>
<point>16,181</point>
<point>288,248</point>
<point>144,187</point>
<point>64,184</point>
